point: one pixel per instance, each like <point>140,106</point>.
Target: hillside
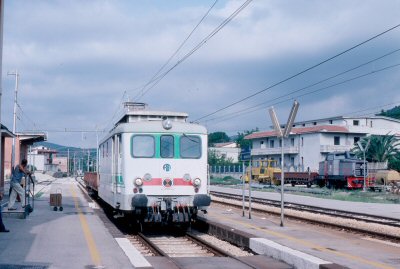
<point>63,150</point>
<point>392,113</point>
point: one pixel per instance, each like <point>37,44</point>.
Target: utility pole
<point>15,116</point>
<point>1,79</point>
<point>68,163</point>
<point>88,161</point>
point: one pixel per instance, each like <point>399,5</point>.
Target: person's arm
<point>25,171</point>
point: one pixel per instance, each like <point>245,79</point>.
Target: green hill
<point>392,113</point>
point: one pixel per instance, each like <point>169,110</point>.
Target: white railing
<point>273,151</point>
<point>333,148</point>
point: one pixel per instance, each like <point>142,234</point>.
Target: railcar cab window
<point>190,146</point>
<point>167,146</point>
<point>143,146</point>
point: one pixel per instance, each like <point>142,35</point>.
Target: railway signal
<point>283,134</point>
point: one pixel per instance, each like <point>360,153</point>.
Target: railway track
<point>392,222</point>
<point>172,245</point>
<point>175,246</point>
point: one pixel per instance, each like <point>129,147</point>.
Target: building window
<point>314,123</point>
<point>356,122</point>
<point>302,141</point>
<point>292,161</point>
<point>292,141</point>
<point>371,123</point>
<point>304,125</point>
<point>336,140</point>
<point>271,143</point>
<point>280,143</point>
<point>330,121</point>
<point>356,139</point>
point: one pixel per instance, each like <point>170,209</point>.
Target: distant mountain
<point>62,151</point>
<point>392,113</point>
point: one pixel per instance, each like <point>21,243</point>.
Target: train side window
<point>143,146</point>
<point>190,146</point>
<point>167,146</point>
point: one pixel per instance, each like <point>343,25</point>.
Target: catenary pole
<point>1,84</point>
<point>14,116</point>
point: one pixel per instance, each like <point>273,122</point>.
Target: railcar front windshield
<point>190,146</point>
<point>143,146</point>
<point>167,146</point>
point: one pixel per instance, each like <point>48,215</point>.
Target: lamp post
<point>364,164</point>
<point>283,134</point>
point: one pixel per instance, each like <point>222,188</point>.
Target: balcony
<point>274,151</point>
<point>333,148</point>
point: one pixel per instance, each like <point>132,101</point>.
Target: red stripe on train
<point>158,182</point>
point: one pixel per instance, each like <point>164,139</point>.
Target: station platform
<point>376,209</point>
<point>349,250</point>
<point>72,238</point>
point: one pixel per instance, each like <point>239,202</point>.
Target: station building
<point>310,141</point>
<point>23,143</point>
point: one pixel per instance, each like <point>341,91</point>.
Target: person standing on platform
<point>2,227</point>
<point>19,172</point>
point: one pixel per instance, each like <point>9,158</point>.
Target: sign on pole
<point>283,134</point>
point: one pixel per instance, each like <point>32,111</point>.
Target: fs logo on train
<point>167,167</point>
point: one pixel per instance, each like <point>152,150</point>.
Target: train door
<point>117,165</point>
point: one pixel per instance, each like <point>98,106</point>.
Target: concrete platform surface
<point>384,210</point>
<point>72,238</point>
<point>297,238</point>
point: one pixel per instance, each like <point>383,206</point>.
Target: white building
<point>229,150</point>
<point>310,141</point>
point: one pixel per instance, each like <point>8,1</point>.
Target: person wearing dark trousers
<point>2,227</point>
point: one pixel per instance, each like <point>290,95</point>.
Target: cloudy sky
<point>78,59</point>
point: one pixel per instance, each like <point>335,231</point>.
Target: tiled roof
<point>303,130</point>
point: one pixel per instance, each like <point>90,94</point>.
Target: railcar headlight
<point>197,182</point>
<point>186,177</point>
<point>147,177</point>
<point>138,181</point>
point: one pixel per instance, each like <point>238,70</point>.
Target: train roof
<point>137,119</point>
<point>136,112</point>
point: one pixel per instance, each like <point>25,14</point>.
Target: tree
<point>244,143</point>
<point>217,137</point>
<point>382,148</point>
<point>392,113</point>
<point>215,159</point>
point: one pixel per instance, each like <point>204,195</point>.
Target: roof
<point>222,145</point>
<point>5,132</point>
<point>303,130</point>
<point>344,118</point>
<point>30,137</point>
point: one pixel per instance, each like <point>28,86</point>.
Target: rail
<point>393,222</point>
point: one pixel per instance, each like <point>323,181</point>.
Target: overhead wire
<point>198,46</point>
<point>321,89</point>
<point>299,73</point>
<point>152,79</point>
<point>253,107</point>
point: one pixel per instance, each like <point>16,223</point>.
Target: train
<point>338,170</point>
<point>153,167</point>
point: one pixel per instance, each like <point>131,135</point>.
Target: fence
<point>226,169</point>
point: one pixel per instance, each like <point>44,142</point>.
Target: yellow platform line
<point>94,253</point>
<point>306,243</point>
